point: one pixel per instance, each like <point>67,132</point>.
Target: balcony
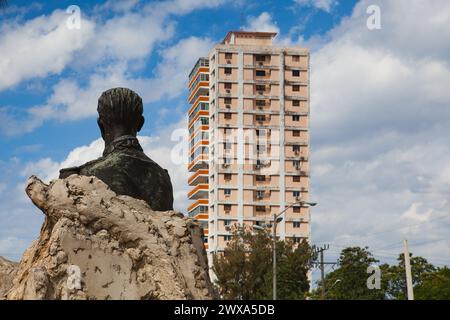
<point>200,162</point>
<point>199,213</point>
<point>202,77</point>
<point>202,90</point>
<point>199,202</point>
<point>200,177</point>
<point>199,192</point>
<point>202,65</point>
<point>200,107</point>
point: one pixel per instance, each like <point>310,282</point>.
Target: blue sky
<point>380,113</point>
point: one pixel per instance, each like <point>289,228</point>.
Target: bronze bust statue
<point>124,167</point>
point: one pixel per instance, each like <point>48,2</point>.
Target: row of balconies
<point>296,180</point>
<point>254,210</point>
<point>262,196</point>
<point>300,60</point>
<point>230,73</point>
<point>273,106</point>
<point>262,91</point>
<point>231,118</point>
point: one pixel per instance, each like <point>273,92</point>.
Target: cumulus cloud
<point>380,119</point>
<point>47,39</point>
<point>108,51</point>
<point>261,23</point>
<point>72,101</point>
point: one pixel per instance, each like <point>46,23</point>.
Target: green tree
<point>435,286</point>
<point>349,280</point>
<point>394,277</point>
<point>244,269</point>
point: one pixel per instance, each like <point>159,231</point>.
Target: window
<point>295,88</point>
<point>227,146</point>
<point>260,194</point>
<point>260,58</point>
<point>260,103</point>
<point>295,118</point>
<point>227,100</point>
<point>227,192</point>
<point>227,238</point>
<point>260,87</point>
<point>226,222</point>
<point>227,85</point>
<point>296,194</point>
<point>261,148</point>
<point>260,209</point>
<point>260,178</point>
<point>296,224</point>
<point>227,207</point>
<point>260,118</point>
<point>227,115</point>
<point>296,240</point>
<point>296,133</point>
<point>227,71</point>
<point>260,73</point>
<point>205,239</point>
<point>296,103</point>
<point>227,176</point>
<point>296,209</point>
<point>296,163</point>
<point>296,58</point>
<point>228,55</point>
<point>260,133</point>
<point>296,179</point>
<point>296,73</point>
<point>296,148</point>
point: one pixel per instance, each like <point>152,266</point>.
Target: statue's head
<point>119,113</point>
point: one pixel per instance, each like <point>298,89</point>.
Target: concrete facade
<point>257,155</point>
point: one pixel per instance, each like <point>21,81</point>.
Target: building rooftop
<point>231,35</point>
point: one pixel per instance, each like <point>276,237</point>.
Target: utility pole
<point>277,218</point>
<point>322,268</point>
<point>409,284</point>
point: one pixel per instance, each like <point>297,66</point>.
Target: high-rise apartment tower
<point>249,137</point>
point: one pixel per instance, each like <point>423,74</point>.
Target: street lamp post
<point>277,219</point>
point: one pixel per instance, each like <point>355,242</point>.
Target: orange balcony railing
<point>199,188</point>
<point>201,84</point>
<point>200,113</point>
<point>200,70</point>
<point>198,203</point>
<point>201,160</point>
<point>197,174</point>
<point>196,102</point>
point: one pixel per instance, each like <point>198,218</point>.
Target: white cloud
<point>46,39</point>
<point>261,23</point>
<point>413,213</point>
<point>380,119</point>
<point>325,5</point>
<point>70,101</point>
